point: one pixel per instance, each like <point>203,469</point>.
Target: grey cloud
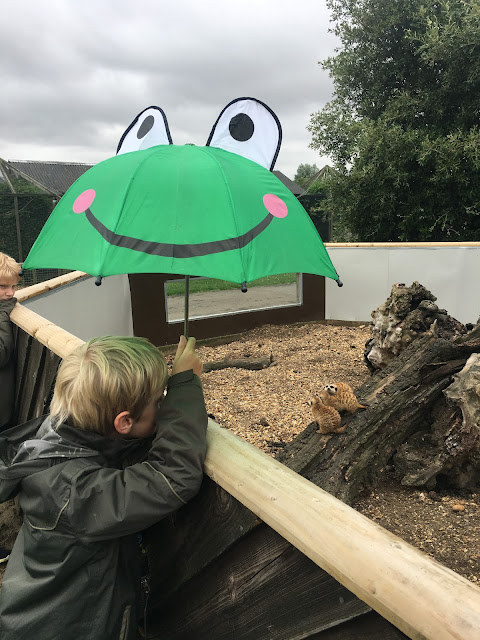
<point>74,75</point>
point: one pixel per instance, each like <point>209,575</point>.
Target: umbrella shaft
<point>187,299</point>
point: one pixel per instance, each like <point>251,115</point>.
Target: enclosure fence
<point>418,595</point>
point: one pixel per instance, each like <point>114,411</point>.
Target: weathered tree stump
<point>452,447</point>
<point>406,314</point>
<point>407,412</point>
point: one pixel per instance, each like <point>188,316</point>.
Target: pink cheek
<point>84,201</point>
<point>275,205</point>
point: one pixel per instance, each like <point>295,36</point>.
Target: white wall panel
<point>86,310</point>
<point>452,274</point>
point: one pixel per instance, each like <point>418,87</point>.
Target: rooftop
<point>53,177</point>
<point>57,177</point>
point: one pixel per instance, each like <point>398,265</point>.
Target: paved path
<point>219,302</point>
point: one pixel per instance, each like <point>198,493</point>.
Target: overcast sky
<point>75,73</point>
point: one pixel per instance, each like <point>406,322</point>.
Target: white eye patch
<point>149,129</point>
<point>246,127</point>
<point>250,129</point>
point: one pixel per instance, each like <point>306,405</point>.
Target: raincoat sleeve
<point>6,332</point>
<point>107,503</point>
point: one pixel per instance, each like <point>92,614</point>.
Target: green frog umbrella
<point>215,211</point>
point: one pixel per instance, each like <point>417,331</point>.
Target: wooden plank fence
<point>35,376</point>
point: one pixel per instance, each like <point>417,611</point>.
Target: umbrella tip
<point>21,273</point>
<point>98,281</point>
<point>244,287</point>
<point>339,282</point>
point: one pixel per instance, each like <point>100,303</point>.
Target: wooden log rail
<point>424,599</point>
<point>43,287</point>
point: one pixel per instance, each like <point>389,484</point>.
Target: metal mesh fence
<point>40,275</point>
<point>20,225</point>
<point>21,222</point>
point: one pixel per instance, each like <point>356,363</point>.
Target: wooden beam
<point>56,339</point>
<point>421,597</point>
<point>43,287</point>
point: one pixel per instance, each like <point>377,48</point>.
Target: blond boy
<point>9,278</point>
<point>74,567</point>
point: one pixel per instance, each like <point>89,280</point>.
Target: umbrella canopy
<point>181,209</point>
<point>215,211</point>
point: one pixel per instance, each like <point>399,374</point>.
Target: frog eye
<point>250,129</point>
<point>149,129</point>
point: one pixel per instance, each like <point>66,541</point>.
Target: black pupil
<point>145,127</point>
<point>241,127</point>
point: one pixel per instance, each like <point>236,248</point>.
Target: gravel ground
<point>271,405</point>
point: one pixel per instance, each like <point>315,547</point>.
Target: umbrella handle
<point>187,300</point>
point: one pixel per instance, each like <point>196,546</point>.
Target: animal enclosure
<point>289,547</point>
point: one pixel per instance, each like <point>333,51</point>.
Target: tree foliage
<point>304,173</point>
<point>318,204</point>
<point>403,127</point>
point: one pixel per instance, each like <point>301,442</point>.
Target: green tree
<point>304,173</point>
<point>403,127</point>
<point>317,203</point>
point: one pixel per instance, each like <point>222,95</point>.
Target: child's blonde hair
<point>104,377</point>
<point>9,270</point>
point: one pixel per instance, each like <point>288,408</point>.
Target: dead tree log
<point>452,446</point>
<point>253,364</point>
<point>406,403</point>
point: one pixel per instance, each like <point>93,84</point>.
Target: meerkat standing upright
<point>327,418</point>
<point>340,396</point>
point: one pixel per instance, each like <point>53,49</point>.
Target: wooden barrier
<point>44,287</point>
<point>39,346</point>
<point>421,597</point>
<point>418,595</point>
<point>57,340</point>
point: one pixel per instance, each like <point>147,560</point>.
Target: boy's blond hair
<point>9,270</point>
<point>104,377</point>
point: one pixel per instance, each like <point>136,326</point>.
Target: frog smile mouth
<point>169,250</point>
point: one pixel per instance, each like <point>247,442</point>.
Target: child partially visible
<point>74,570</point>
<point>9,278</point>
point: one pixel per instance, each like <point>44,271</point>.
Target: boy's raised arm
<point>114,502</point>
<point>186,357</point>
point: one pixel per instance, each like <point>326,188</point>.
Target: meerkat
<point>327,418</point>
<point>340,396</point>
